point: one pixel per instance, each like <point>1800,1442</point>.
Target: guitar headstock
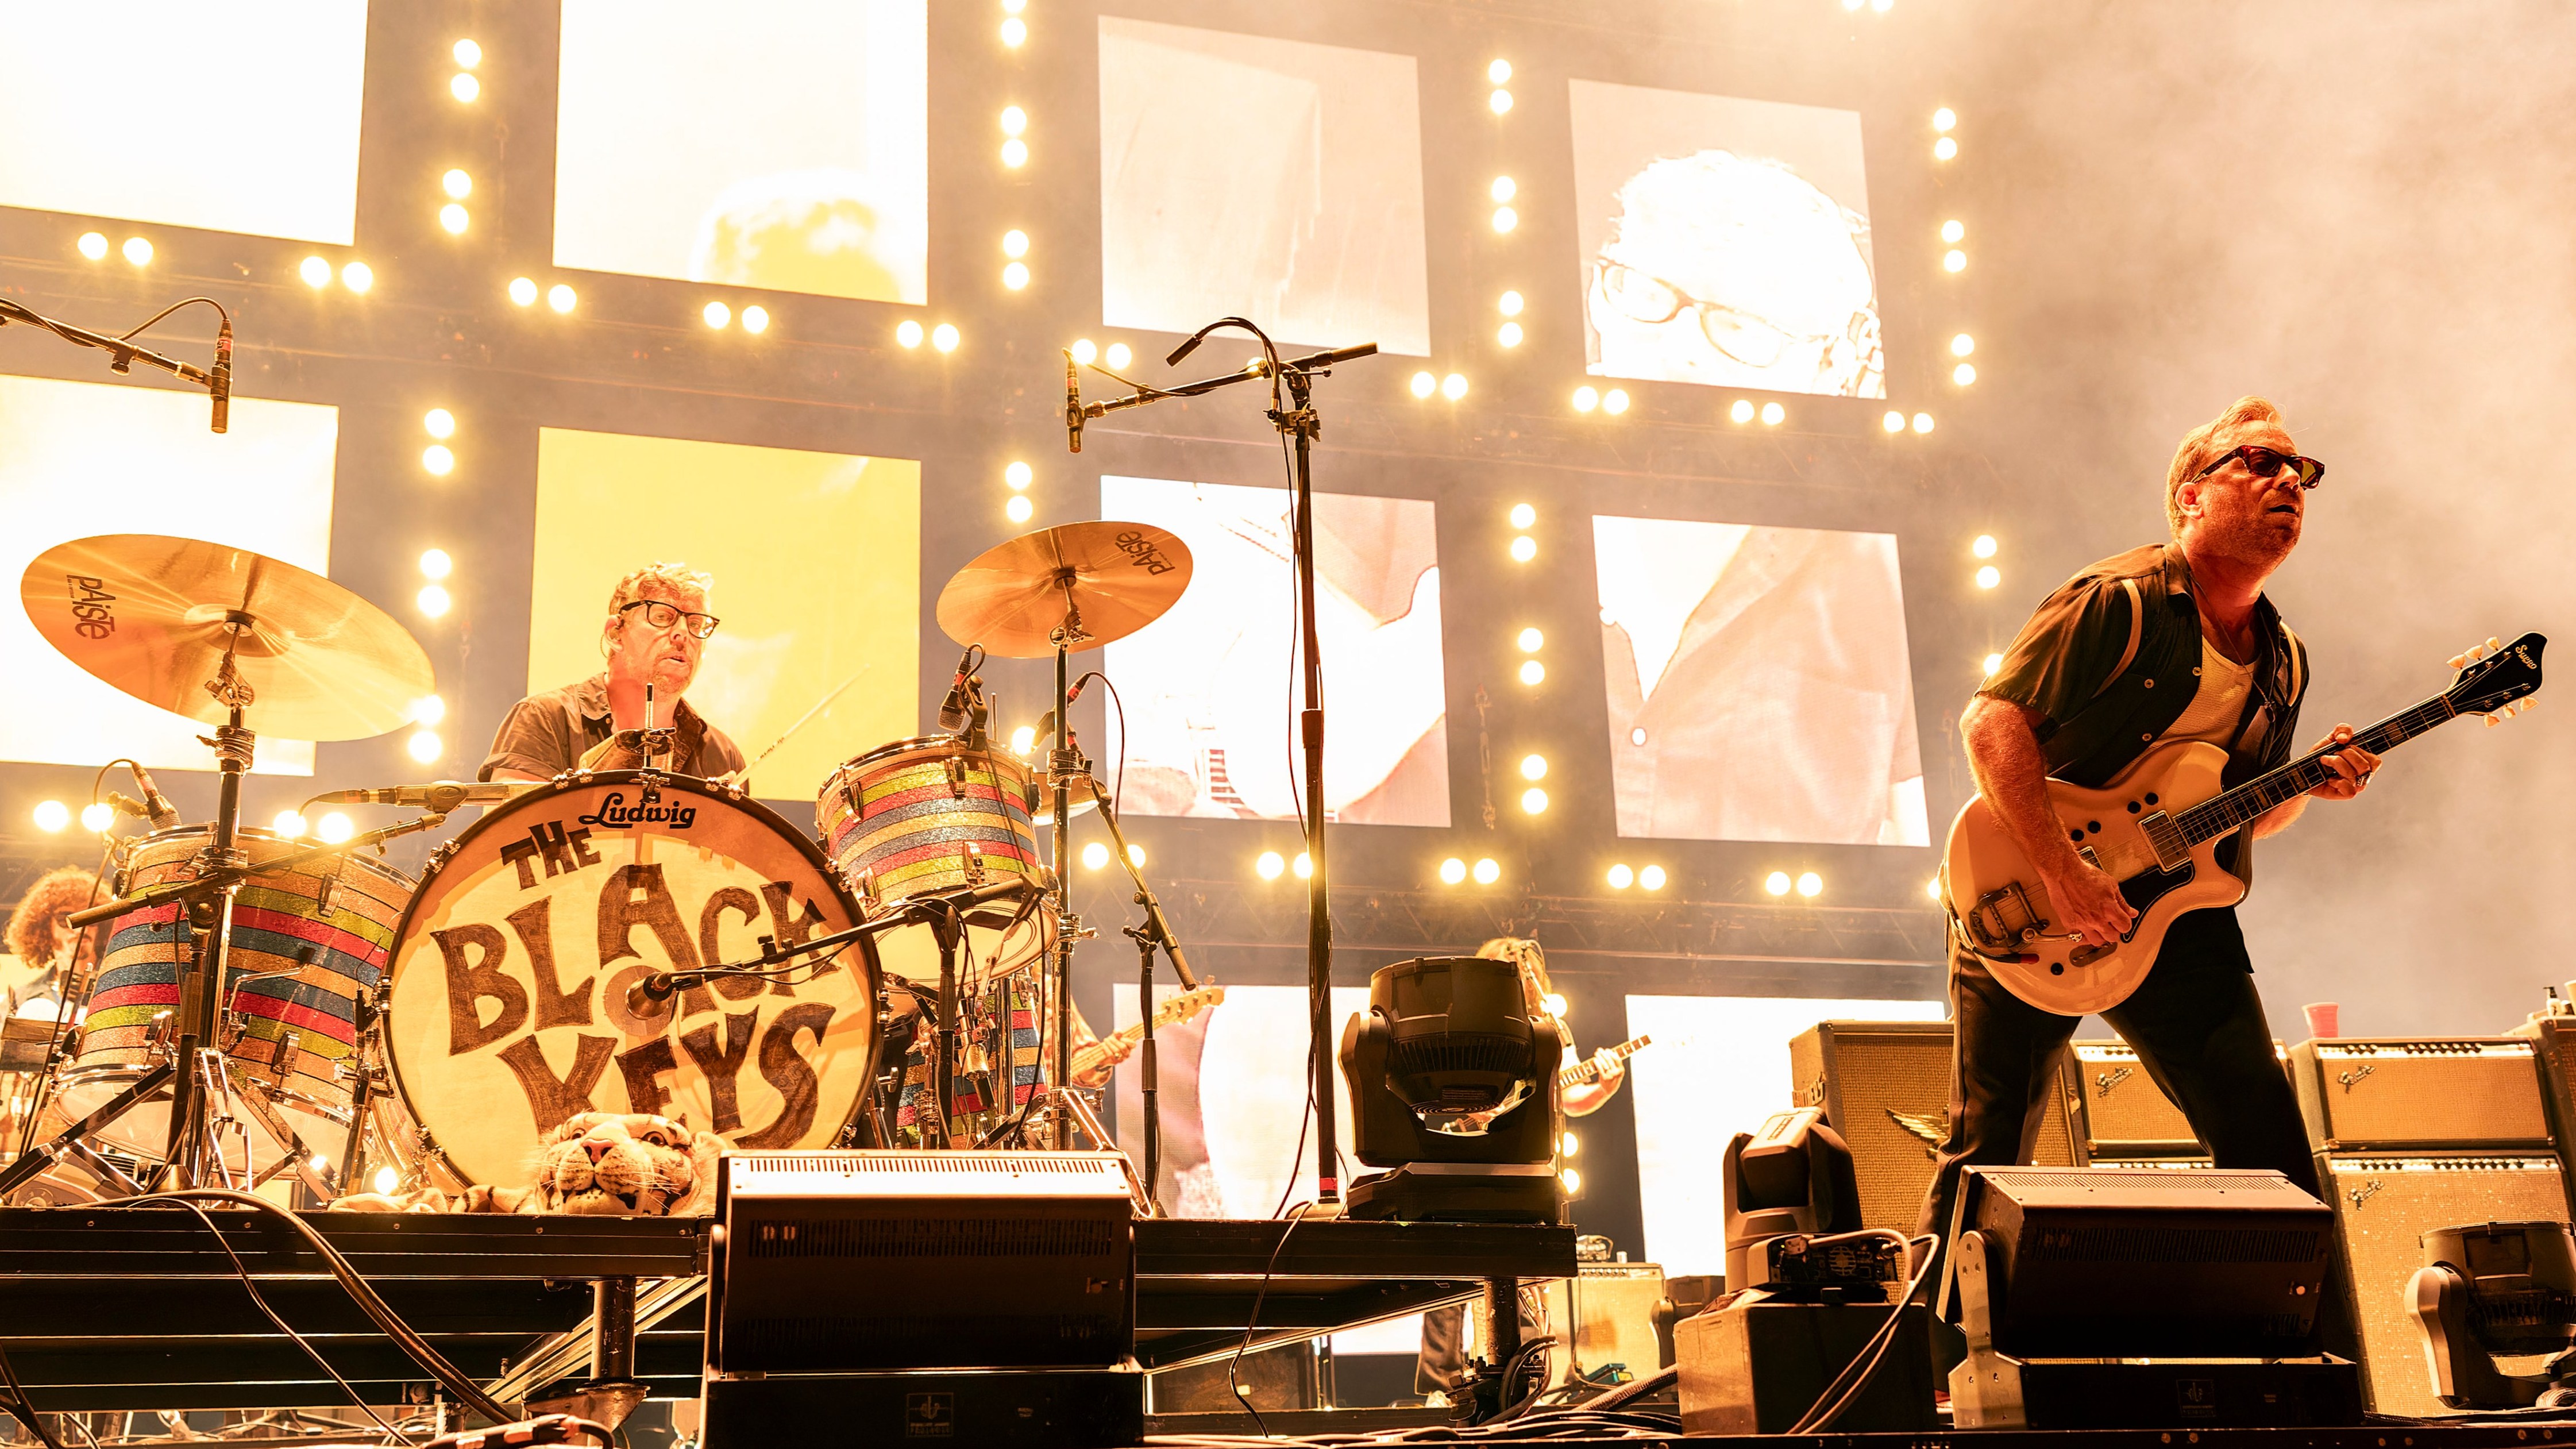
<point>2496,680</point>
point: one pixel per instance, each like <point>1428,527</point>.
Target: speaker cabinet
<point>2399,1094</point>
<point>2553,1042</point>
<point>2384,1204</point>
<point>2123,1116</point>
<point>1885,1088</point>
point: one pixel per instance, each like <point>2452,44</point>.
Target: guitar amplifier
<point>2124,1116</point>
<point>2553,1041</point>
<point>1885,1088</point>
<point>2383,1207</point>
<point>2396,1094</point>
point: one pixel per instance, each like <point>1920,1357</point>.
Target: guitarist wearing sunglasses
<point>2163,643</point>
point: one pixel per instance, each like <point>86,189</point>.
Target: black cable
<point>1118,778</point>
<point>173,307</point>
<point>22,1406</point>
<point>1864,1363</point>
<point>1253,1323</point>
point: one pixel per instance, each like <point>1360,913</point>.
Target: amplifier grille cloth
<point>1890,1105</point>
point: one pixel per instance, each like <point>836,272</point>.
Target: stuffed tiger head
<point>612,1164</point>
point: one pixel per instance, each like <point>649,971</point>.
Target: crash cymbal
<point>1115,578</point>
<point>154,616</point>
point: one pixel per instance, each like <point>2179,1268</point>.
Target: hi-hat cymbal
<point>154,616</point>
<point>1110,578</point>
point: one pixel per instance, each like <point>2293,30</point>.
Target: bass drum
<point>508,1013</point>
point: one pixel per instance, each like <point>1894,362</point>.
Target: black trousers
<point>2198,1028</point>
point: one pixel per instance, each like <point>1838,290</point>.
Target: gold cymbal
<point>1112,578</point>
<point>155,616</point>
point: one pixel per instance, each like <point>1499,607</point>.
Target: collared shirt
<point>546,734</point>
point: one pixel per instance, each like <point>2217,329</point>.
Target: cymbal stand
<point>210,919</point>
<point>1064,763</point>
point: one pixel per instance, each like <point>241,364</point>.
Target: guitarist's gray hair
<point>2201,446</point>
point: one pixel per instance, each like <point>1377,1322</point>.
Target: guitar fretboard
<point>2234,809</point>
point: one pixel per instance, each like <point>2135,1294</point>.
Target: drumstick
<point>819,706</point>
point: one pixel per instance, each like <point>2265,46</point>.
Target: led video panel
<point>1724,242</point>
<point>1210,695</point>
<point>224,117</point>
<point>1272,179</point>
<point>1758,683</point>
<point>1719,1065</point>
<point>817,565</point>
<point>85,458</point>
<point>780,144</point>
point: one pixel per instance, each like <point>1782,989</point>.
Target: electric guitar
<point>2156,831</point>
<point>1172,1012</point>
<point>1589,1069</point>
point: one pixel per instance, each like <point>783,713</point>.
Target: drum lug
<point>974,862</point>
<point>327,893</point>
<point>956,766</point>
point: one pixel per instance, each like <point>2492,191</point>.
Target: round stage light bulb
<point>1505,218</point>
<point>435,564</point>
<point>1954,261</point>
<point>1424,384</point>
<point>1015,153</point>
<point>1019,476</point>
<point>1524,548</point>
<point>1014,7</point>
<point>1094,856</point>
<point>96,818</point>
<point>438,423</point>
<point>1964,374</point>
<point>387,1180</point>
<point>1882,6</point>
<point>1922,422</point>
<point>1509,334</point>
<point>1962,345</point>
<point>523,290</point>
<point>1652,877</point>
<point>1500,100</point>
<point>1136,856</point>
<point>288,824</point>
<point>1019,508</point>
<point>138,250</point>
<point>1810,884</point>
<point>457,183</point>
<point>1015,31</point>
<point>1772,414</point>
<point>464,87</point>
<point>93,245</point>
<point>1533,767</point>
<point>453,220</point>
<point>1453,870</point>
<point>1984,546</point>
<point>562,298</point>
<point>1499,72</point>
<point>1952,231</point>
<point>1586,398</point>
<point>52,816</point>
<point>428,710</point>
<point>425,746</point>
<point>1504,188</point>
<point>1454,386</point>
<point>1777,883</point>
<point>1118,355</point>
<point>1015,243</point>
<point>944,337</point>
<point>439,459</point>
<point>1084,351</point>
<point>716,314</point>
<point>1615,401</point>
<point>1015,275</point>
<point>357,277</point>
<point>1932,888</point>
<point>1945,148</point>
<point>1989,576</point>
<point>315,271</point>
<point>433,600</point>
<point>1534,801</point>
<point>1621,877</point>
<point>1532,672</point>
<point>1994,662</point>
<point>1552,1004</point>
<point>755,319</point>
<point>1573,1180</point>
<point>1510,304</point>
<point>1486,872</point>
<point>1894,422</point>
<point>1269,866</point>
<point>1531,641</point>
<point>335,828</point>
<point>1023,740</point>
<point>908,333</point>
<point>1853,5</point>
<point>1569,1145</point>
<point>1303,867</point>
<point>1944,118</point>
<point>1523,515</point>
<point>468,54</point>
<point>1014,120</point>
<point>1741,411</point>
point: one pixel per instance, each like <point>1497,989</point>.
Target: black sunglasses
<point>2268,463</point>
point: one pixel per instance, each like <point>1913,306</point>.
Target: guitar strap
<point>2137,627</point>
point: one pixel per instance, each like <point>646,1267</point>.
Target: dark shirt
<point>546,734</point>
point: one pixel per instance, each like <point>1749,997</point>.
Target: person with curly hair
<point>54,957</point>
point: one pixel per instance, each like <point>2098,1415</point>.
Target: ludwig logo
<point>93,612</point>
<point>614,812</point>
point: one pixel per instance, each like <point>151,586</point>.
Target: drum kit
<point>266,1006</point>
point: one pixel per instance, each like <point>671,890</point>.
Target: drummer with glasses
<point>656,630</point>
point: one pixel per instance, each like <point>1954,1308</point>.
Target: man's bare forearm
<point>2012,774</point>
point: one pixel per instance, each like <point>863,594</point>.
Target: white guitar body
<point>2011,922</point>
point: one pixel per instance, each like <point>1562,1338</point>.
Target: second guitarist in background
<point>2162,643</point>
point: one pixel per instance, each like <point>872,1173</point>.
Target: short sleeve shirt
<point>546,734</point>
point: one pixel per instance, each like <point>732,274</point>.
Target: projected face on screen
<point>781,145</point>
<point>1209,691</point>
<point>1272,179</point>
<point>1725,242</point>
<point>1758,683</point>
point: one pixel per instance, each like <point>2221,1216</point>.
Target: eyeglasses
<point>662,616</point>
<point>1644,297</point>
<point>2268,463</point>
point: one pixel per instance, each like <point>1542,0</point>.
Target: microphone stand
<point>1299,422</point>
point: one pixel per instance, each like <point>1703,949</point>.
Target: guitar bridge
<point>2001,921</point>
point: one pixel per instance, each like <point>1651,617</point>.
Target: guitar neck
<point>2234,809</point>
<point>1589,1069</point>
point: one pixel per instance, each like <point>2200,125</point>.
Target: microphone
<point>155,804</point>
<point>952,710</point>
<point>220,386</point>
<point>124,804</point>
<point>651,993</point>
<point>1072,404</point>
<point>440,795</point>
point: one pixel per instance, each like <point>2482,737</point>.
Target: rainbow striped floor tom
<point>925,815</point>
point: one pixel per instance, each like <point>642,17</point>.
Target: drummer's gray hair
<point>673,578</point>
